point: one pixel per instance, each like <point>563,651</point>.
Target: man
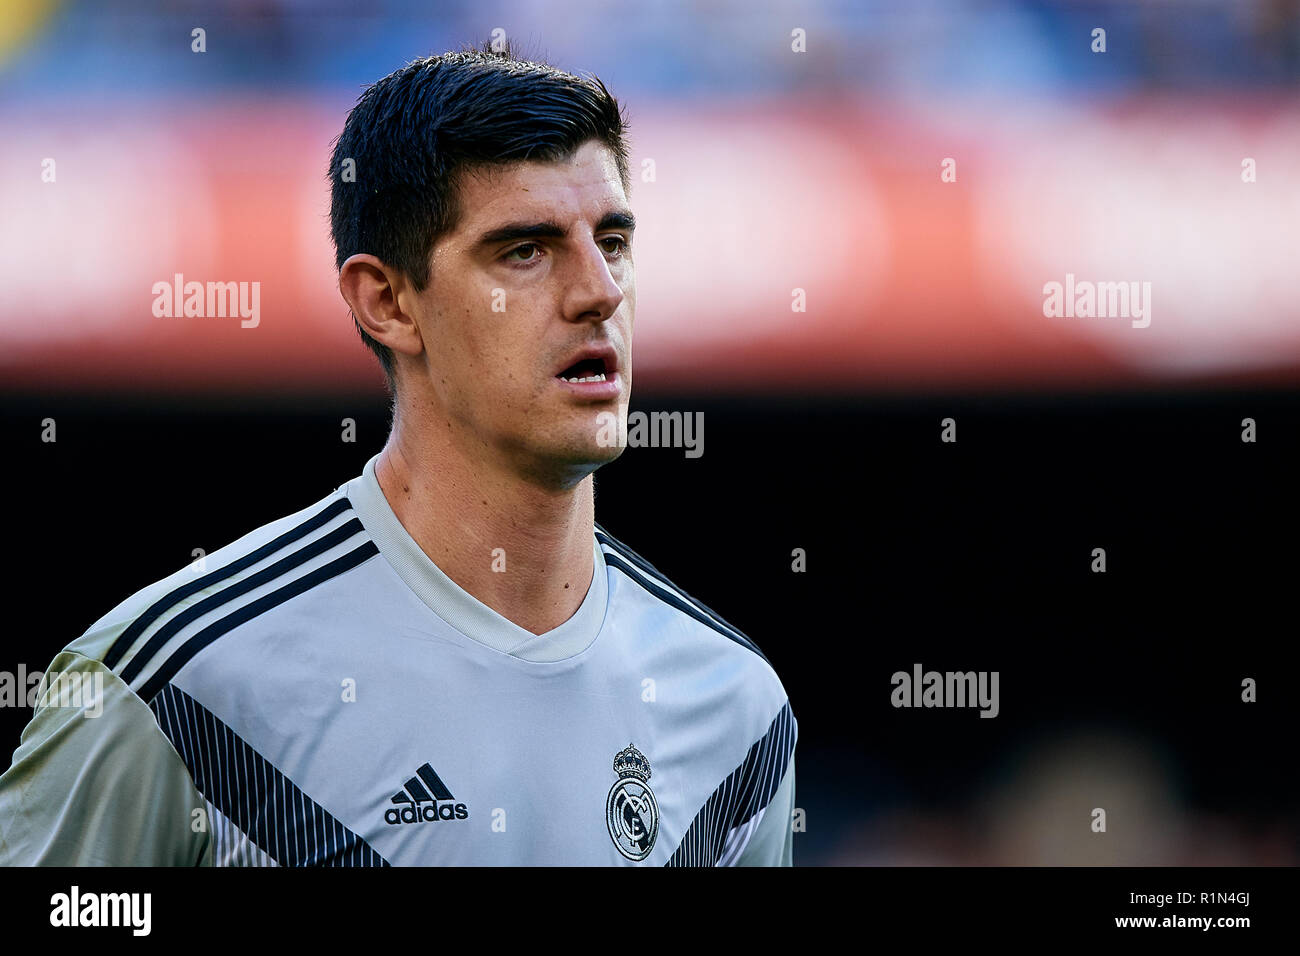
<point>445,661</point>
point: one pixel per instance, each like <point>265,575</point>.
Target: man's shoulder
<point>280,544</point>
<point>705,626</point>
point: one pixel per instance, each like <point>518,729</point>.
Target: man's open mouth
<point>591,365</point>
<point>587,370</point>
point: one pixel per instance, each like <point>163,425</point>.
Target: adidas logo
<point>418,801</point>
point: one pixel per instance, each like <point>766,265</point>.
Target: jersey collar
<point>458,607</point>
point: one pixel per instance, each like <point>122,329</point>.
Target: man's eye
<point>619,246</point>
<point>530,252</point>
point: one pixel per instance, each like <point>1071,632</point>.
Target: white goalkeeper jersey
<point>321,694</point>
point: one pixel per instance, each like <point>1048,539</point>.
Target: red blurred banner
<point>911,271</point>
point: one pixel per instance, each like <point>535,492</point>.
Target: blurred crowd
<point>706,47</point>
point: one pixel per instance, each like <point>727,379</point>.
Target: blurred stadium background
<point>759,171</point>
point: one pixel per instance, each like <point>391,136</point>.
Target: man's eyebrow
<point>522,230</point>
<point>618,219</point>
<point>548,229</point>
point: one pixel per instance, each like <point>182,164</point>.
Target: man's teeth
<point>600,377</point>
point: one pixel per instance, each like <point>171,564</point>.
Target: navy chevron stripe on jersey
<point>747,790</point>
<point>679,598</point>
<point>238,589</point>
<point>273,813</point>
<point>170,600</point>
<point>249,611</point>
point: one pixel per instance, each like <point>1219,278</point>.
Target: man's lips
<point>589,361</point>
<point>601,387</point>
<point>592,372</point>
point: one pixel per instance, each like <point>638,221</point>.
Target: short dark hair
<point>411,134</point>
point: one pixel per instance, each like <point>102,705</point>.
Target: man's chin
<point>590,455</point>
<point>568,464</point>
<point>596,436</point>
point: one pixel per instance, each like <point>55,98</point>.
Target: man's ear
<point>376,293</point>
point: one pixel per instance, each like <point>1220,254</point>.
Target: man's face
<point>536,277</point>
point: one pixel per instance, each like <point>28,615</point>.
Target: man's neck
<point>524,551</point>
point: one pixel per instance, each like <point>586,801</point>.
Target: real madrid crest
<point>631,810</point>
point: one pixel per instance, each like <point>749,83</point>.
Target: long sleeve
<point>95,782</point>
<point>772,843</point>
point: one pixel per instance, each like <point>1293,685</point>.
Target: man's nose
<point>593,295</point>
